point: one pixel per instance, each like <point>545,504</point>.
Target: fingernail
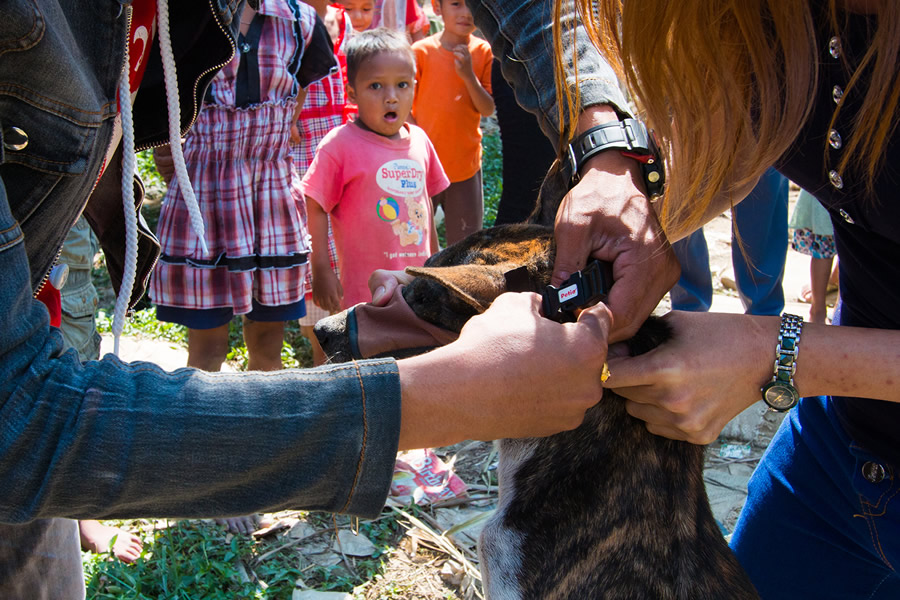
<point>560,276</point>
<point>378,295</point>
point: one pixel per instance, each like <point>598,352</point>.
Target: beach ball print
<point>388,209</point>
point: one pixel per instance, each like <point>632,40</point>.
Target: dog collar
<point>582,289</point>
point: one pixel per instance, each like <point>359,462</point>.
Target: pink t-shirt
<point>378,192</point>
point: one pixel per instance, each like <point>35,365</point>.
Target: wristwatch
<point>632,139</point>
<point>780,393</point>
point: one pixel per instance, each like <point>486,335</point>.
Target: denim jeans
<point>822,519</point>
<point>763,226</point>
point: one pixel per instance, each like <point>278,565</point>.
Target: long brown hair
<point>728,84</point>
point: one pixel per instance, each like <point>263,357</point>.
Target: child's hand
<point>327,291</point>
<point>462,60</point>
<point>165,164</point>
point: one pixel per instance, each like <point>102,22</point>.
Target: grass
<point>188,560</point>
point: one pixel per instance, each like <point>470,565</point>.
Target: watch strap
<point>788,348</point>
<point>631,137</point>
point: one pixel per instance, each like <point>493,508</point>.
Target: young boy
<point>374,176</point>
<point>453,92</point>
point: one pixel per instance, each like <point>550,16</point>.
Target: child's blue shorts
<point>210,318</point>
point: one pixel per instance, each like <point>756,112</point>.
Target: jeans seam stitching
<point>365,436</point>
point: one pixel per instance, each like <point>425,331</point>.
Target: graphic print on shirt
<point>404,181</point>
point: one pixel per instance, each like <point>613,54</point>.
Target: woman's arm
<point>713,368</point>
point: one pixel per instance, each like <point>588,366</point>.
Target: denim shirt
<point>106,439</point>
<point>521,37</point>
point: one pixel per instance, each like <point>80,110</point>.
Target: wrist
<point>424,420</point>
<point>592,116</point>
<point>629,138</point>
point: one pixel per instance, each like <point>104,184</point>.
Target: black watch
<point>629,136</point>
<point>780,393</point>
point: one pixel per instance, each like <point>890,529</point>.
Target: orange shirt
<point>443,107</point>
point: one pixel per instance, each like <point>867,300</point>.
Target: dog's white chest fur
<point>500,549</point>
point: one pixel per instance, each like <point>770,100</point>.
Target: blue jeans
<point>762,222</point>
<point>814,526</point>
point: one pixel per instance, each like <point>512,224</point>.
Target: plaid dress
<point>239,162</point>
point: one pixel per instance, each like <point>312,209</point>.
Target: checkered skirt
<point>239,163</point>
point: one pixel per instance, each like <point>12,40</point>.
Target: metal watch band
<point>631,137</point>
<point>788,348</point>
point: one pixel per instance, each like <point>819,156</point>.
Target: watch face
<point>780,395</point>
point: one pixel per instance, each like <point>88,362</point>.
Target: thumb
<point>598,319</point>
<point>572,250</point>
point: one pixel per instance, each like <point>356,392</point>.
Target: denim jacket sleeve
<point>521,37</point>
<point>106,439</point>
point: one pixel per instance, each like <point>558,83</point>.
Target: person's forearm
<point>848,361</point>
<point>317,220</point>
<point>521,37</point>
<point>482,101</point>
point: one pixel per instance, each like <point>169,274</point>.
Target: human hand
<point>607,216</point>
<point>691,386</point>
<point>382,284</point>
<point>327,290</point>
<point>462,61</point>
<point>165,164</point>
<point>511,373</point>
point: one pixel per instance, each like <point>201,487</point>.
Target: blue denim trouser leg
<point>814,526</point>
<point>762,221</point>
<point>694,290</point>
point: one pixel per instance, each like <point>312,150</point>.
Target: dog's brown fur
<point>605,511</point>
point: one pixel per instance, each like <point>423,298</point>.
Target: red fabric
<point>140,40</point>
<point>50,296</point>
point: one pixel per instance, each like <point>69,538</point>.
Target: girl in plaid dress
<point>239,161</point>
<point>323,110</point>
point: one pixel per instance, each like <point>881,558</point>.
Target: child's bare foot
<point>97,537</point>
<point>246,524</point>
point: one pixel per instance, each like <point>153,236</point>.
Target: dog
<point>607,510</point>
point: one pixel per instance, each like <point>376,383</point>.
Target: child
<point>361,13</point>
<point>323,110</point>
<point>402,15</point>
<point>813,235</point>
<point>374,176</point>
<point>238,155</point>
<point>453,93</point>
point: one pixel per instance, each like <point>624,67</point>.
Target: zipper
<point>46,276</point>
<point>198,101</point>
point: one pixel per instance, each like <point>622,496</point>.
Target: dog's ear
<point>476,285</point>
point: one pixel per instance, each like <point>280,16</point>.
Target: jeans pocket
<point>878,485</point>
<point>21,27</point>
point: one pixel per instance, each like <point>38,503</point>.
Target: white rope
<point>129,166</point>
<point>181,174</point>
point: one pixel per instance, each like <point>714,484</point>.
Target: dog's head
<point>455,284</point>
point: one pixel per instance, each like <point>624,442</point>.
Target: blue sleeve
<point>107,439</point>
<point>521,36</point>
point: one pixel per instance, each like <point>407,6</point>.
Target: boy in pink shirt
<point>375,176</point>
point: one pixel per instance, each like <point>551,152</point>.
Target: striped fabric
<point>240,165</point>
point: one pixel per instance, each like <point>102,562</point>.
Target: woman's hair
<point>366,44</point>
<point>728,84</point>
